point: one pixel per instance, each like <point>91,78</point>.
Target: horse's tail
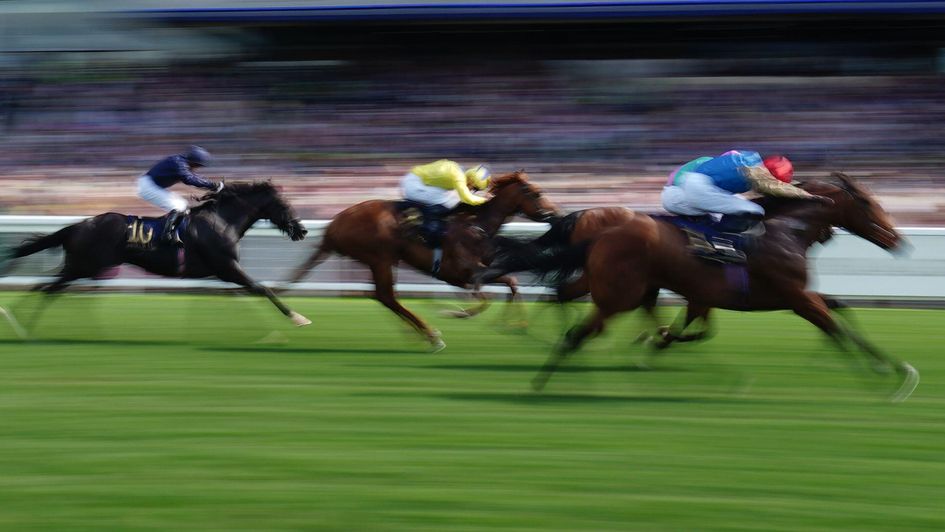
<point>322,252</point>
<point>545,256</point>
<point>37,243</point>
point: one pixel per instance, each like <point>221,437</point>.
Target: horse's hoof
<point>299,320</point>
<point>461,314</point>
<point>14,323</point>
<point>436,345</point>
<point>910,380</point>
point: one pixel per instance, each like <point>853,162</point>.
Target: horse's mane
<point>518,176</point>
<point>495,185</point>
<point>231,191</point>
<point>776,205</point>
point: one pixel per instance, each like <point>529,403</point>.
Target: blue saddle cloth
<point>147,231</point>
<point>706,226</point>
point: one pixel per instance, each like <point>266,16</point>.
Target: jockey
<point>153,185</point>
<point>708,185</point>
<point>439,187</point>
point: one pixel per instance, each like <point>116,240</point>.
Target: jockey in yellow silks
<point>438,187</point>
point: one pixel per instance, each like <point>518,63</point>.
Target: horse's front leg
<point>515,315</point>
<point>468,312</point>
<point>816,309</point>
<point>232,272</point>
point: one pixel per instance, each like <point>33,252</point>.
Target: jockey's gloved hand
<point>219,187</point>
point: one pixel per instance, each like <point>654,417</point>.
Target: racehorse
<point>371,232</point>
<point>544,254</point>
<point>209,237</point>
<point>627,265</point>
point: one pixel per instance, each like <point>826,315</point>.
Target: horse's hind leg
<point>573,339</point>
<point>233,273</point>
<point>50,292</point>
<point>469,312</point>
<point>384,293</point>
<point>323,252</point>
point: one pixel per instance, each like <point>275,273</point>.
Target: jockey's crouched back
<point>439,187</point>
<point>708,186</point>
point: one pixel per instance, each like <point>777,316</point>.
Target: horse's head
<point>520,196</point>
<point>267,203</point>
<point>856,210</point>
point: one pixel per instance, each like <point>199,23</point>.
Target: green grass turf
<point>158,412</point>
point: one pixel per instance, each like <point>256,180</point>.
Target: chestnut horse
<point>371,232</point>
<point>627,265</point>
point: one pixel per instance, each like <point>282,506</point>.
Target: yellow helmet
<point>478,177</point>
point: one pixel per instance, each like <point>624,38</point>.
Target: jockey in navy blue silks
<point>153,185</point>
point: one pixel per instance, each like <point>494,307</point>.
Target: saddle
<point>145,232</point>
<point>418,223</point>
<point>709,242</point>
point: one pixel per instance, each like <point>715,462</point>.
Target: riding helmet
<point>478,177</point>
<point>780,167</point>
<point>197,156</point>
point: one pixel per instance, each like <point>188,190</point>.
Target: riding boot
<point>170,226</point>
<point>742,229</point>
<point>434,230</point>
<point>739,223</point>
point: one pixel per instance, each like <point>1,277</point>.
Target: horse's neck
<point>492,214</point>
<point>240,216</point>
<point>803,231</point>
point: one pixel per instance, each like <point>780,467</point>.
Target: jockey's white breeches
<point>414,189</point>
<point>163,198</point>
<point>698,195</point>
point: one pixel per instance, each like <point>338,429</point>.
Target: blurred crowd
<point>590,133</point>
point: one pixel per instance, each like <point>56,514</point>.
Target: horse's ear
<point>848,181</point>
<point>844,178</point>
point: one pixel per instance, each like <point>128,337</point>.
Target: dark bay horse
<point>372,233</point>
<point>627,265</point>
<point>209,235</point>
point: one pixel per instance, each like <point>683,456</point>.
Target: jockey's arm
<point>194,180</point>
<point>461,188</point>
<point>763,182</point>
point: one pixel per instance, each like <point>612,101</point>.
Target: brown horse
<point>544,253</point>
<point>627,265</point>
<point>372,233</point>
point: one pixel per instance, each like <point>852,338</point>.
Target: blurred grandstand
<point>598,101</point>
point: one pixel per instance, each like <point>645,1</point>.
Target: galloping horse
<point>628,265</point>
<point>209,235</point>
<point>543,254</point>
<point>371,232</point>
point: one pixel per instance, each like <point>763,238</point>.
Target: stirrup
<point>437,260</point>
<point>725,249</point>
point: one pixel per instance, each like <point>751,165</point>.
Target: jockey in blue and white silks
<point>710,186</point>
